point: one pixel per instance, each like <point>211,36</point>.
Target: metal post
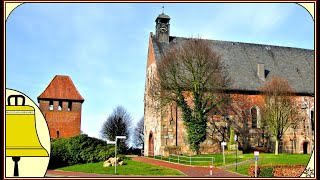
<point>210,169</point>
<point>224,158</point>
<point>178,159</point>
<point>190,160</point>
<point>255,167</point>
<point>256,156</point>
<point>237,157</point>
<point>115,155</point>
<point>310,127</point>
<point>236,139</point>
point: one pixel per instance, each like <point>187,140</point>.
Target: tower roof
<point>61,87</point>
<point>163,16</point>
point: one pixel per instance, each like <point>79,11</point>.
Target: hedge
<point>77,150</point>
<point>280,170</point>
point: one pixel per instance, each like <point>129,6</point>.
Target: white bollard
<point>255,168</point>
<point>256,156</point>
<point>210,169</point>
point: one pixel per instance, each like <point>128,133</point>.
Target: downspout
<point>176,125</point>
<point>310,128</point>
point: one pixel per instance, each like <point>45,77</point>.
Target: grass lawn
<point>131,168</point>
<point>273,159</point>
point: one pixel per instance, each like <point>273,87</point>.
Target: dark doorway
<point>305,148</point>
<point>151,145</point>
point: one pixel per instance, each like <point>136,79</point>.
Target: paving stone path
<point>189,170</point>
<point>194,171</point>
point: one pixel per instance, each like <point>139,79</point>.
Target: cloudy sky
<point>103,46</point>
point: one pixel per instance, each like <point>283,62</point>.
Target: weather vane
<point>162,8</point>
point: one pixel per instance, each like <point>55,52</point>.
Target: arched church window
<point>254,116</point>
<point>58,134</point>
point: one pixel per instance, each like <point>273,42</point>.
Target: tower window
<point>60,106</point>
<point>69,106</point>
<point>254,117</point>
<point>58,134</point>
<point>51,105</point>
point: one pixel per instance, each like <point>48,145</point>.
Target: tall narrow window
<point>69,106</point>
<point>254,117</point>
<point>60,106</point>
<point>51,105</point>
<point>312,119</point>
<point>58,134</point>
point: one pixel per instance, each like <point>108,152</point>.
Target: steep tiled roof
<point>61,87</point>
<point>241,59</point>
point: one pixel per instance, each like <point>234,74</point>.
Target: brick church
<point>61,104</point>
<point>250,66</point>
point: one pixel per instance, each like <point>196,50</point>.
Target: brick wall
<point>64,122</point>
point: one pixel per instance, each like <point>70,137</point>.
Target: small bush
<point>121,157</point>
<point>266,172</point>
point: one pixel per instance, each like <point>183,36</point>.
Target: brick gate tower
<point>61,104</point>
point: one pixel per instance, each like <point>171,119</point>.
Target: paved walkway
<point>194,171</point>
<point>189,170</point>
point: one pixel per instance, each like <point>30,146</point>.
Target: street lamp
<point>115,151</point>
<point>223,143</point>
<point>224,131</point>
<point>115,154</point>
<point>236,139</point>
<point>117,137</point>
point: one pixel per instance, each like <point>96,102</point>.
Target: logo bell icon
<point>21,134</point>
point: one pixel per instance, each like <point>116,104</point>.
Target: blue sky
<point>103,46</point>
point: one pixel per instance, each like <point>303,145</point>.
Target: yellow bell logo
<point>21,134</point>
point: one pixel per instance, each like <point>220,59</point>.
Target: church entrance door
<point>151,145</point>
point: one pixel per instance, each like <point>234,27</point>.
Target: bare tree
<point>192,75</point>
<point>117,124</point>
<point>280,110</point>
<point>235,115</point>
<point>138,134</point>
